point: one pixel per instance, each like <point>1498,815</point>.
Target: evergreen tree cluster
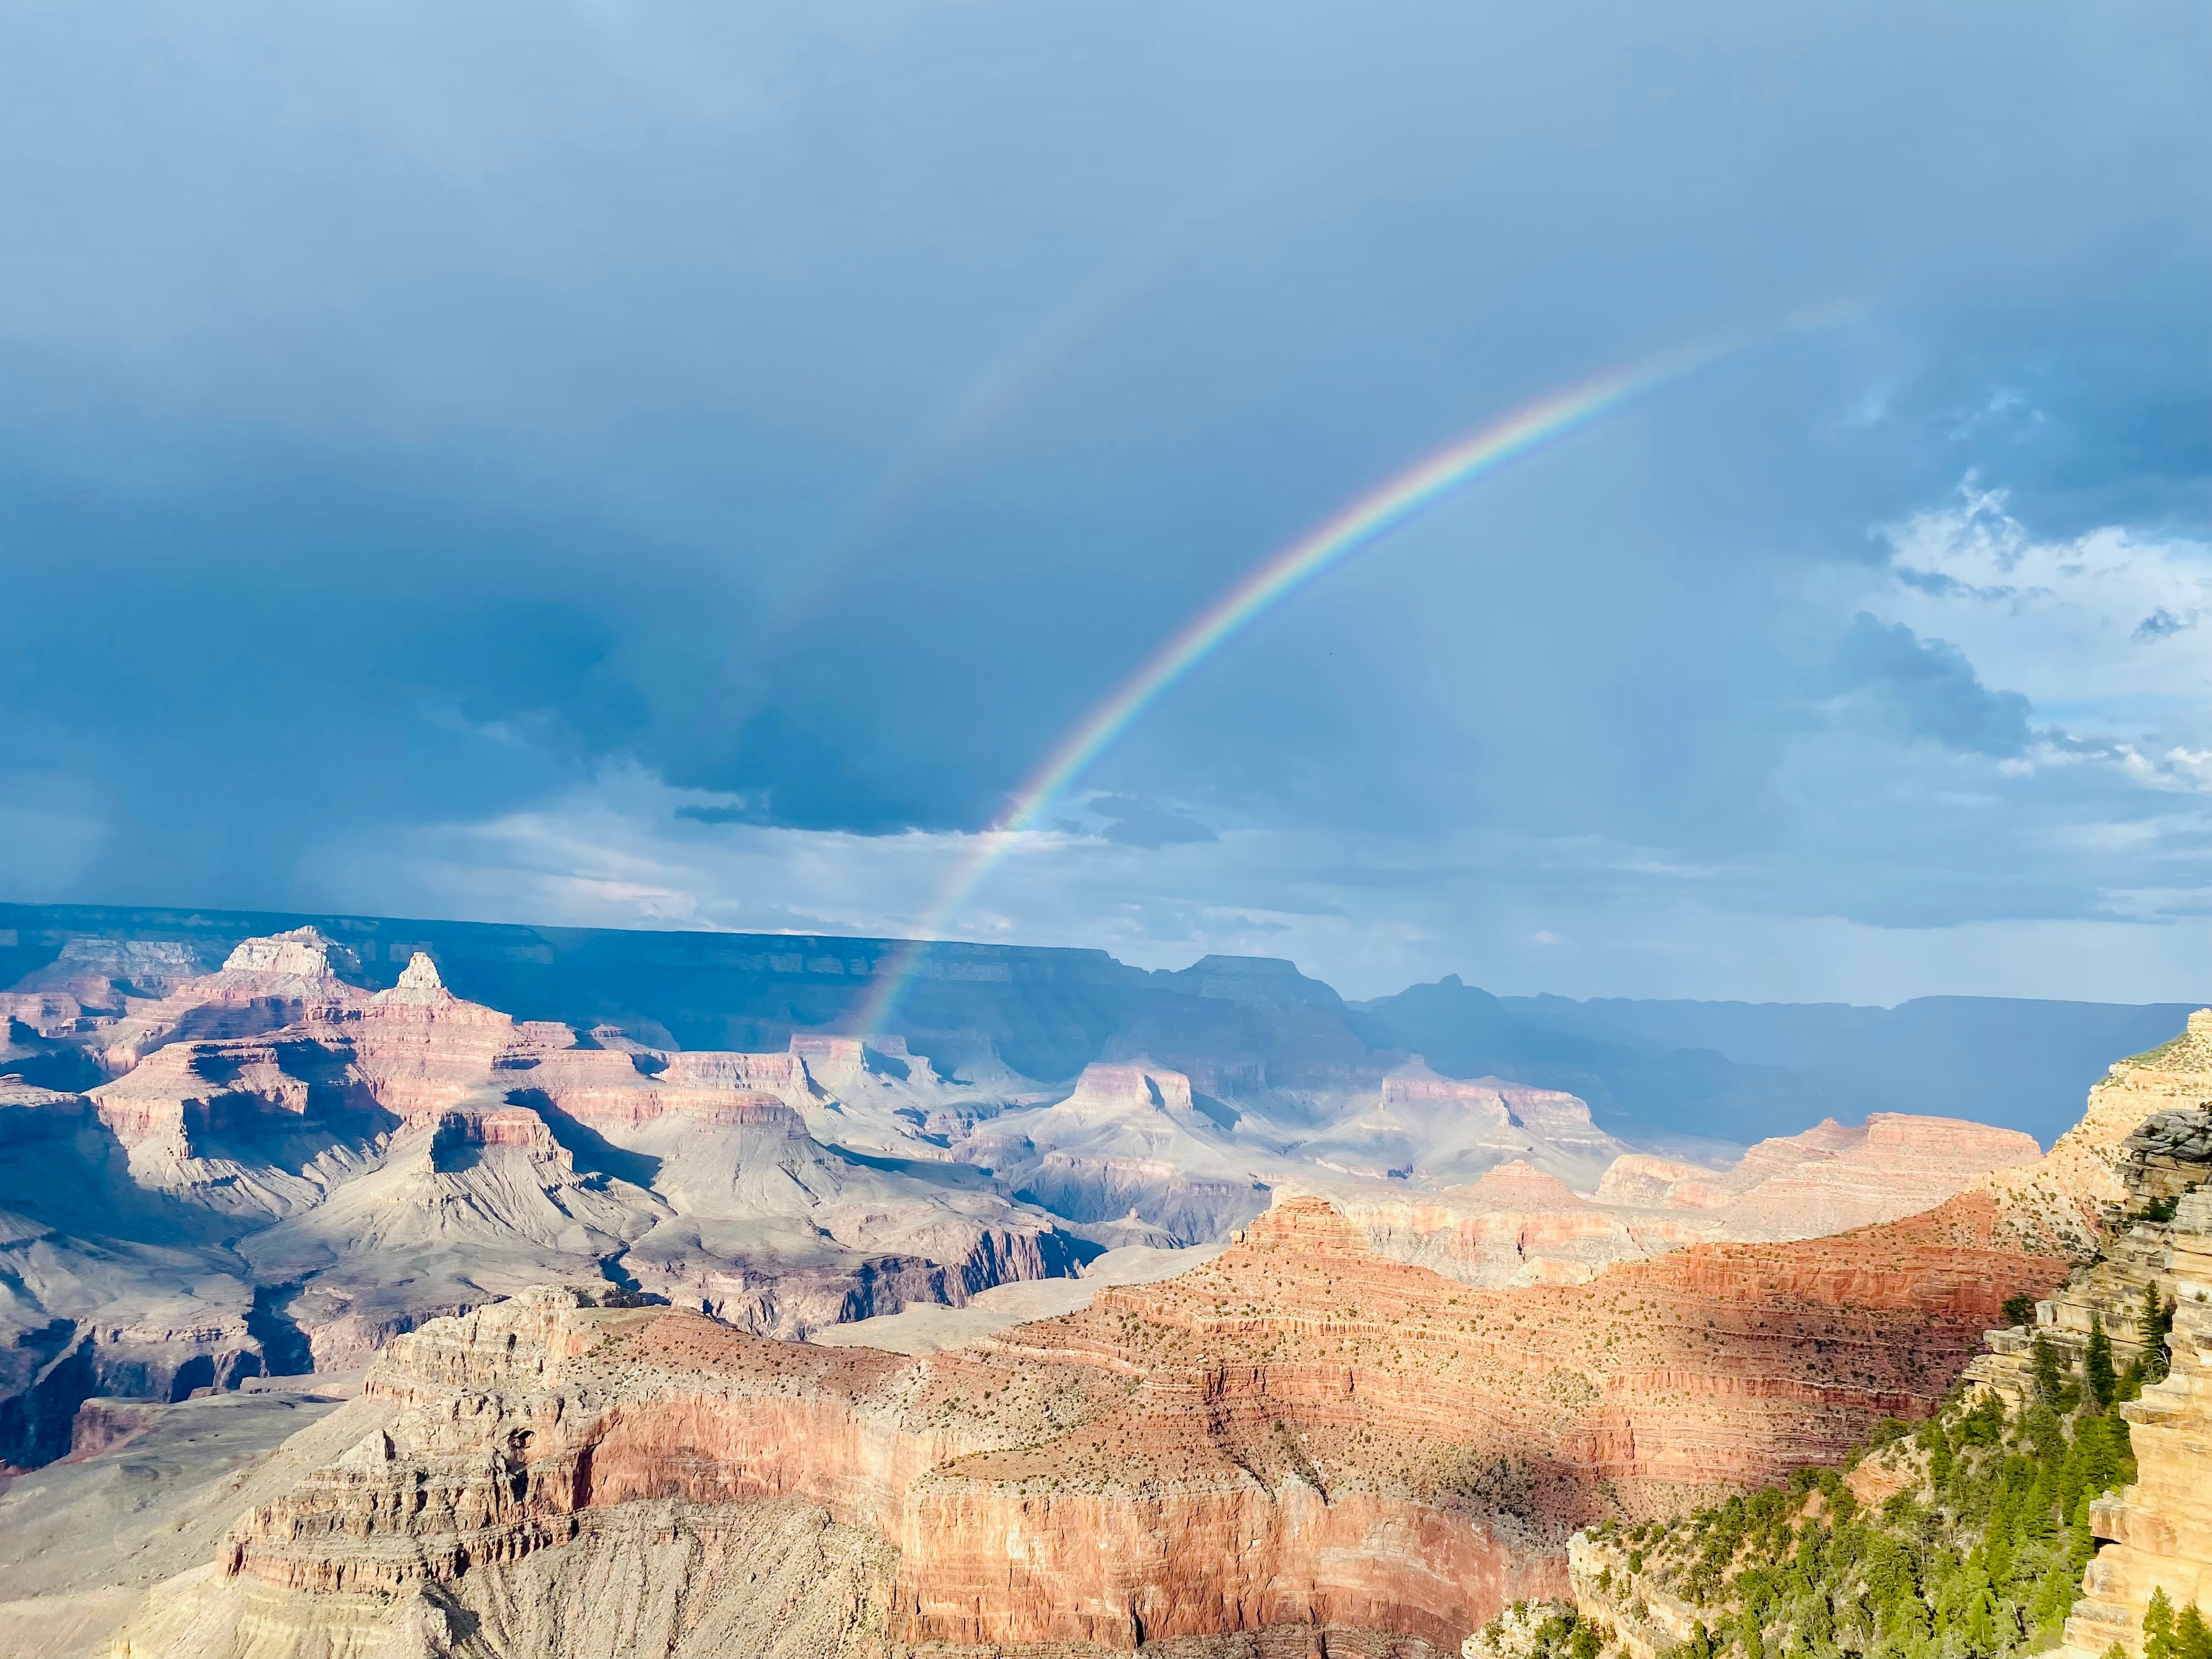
<point>1979,1558</point>
<point>2168,1635</point>
<point>1546,1631</point>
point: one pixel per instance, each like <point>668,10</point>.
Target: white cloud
<point>2105,623</point>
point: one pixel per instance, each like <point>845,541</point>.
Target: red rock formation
<point>1299,1433</point>
<point>1517,1225</point>
<point>1641,1180</point>
<point>188,1092</point>
<point>1828,1177</point>
<point>1520,1185</point>
<point>265,984</point>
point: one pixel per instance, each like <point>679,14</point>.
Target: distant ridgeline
<point>1725,1068</point>
<point>1235,1024</point>
<point>1049,1012</point>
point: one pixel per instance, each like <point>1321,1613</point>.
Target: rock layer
<point>1299,1434</point>
<point>2161,1526</point>
<point>290,1168</point>
<point>286,1168</point>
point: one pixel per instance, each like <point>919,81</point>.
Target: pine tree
<point>2048,1372</point>
<point>2158,1627</point>
<point>2191,1639</point>
<point>2157,1324</point>
<point>2096,1366</point>
<point>1980,1559</point>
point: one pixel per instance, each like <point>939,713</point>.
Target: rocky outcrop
<point>2144,1146</point>
<point>2103,1194</point>
<point>264,984</point>
<point>2161,1526</point>
<point>303,959</point>
<point>102,973</point>
<point>1520,1185</point>
<point>2169,1154</point>
<point>1640,1181</point>
<point>1443,1131</point>
<point>1297,1434</point>
<point>30,1114</point>
<point>1519,1225</point>
<point>2070,1191</point>
<point>1128,1146</point>
<point>77,1318</point>
<point>1829,1177</point>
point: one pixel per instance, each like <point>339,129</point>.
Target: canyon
<point>1298,1435</point>
<point>2063,1489</point>
<point>612,1345</point>
<point>1736,1071</point>
<point>282,1167</point>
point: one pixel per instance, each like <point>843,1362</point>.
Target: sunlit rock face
<point>1520,1224</point>
<point>271,1165</point>
<point>1298,1435</point>
<point>1304,1441</point>
<point>286,1168</point>
<point>2146,1137</point>
<point>2161,1526</point>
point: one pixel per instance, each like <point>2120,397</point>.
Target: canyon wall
<point>2123,1193</point>
<point>1298,1435</point>
<point>2161,1528</point>
<point>276,1166</point>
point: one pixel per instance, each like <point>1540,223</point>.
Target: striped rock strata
<point>1299,1436</point>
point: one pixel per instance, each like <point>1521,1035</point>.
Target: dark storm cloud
<point>414,413</point>
<point>1927,689</point>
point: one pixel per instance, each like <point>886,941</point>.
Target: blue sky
<point>684,465</point>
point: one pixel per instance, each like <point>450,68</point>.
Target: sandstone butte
<point>1301,1440</point>
<point>1518,1225</point>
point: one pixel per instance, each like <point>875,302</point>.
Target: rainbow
<point>1358,526</point>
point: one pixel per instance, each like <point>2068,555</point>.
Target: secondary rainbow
<point>1357,527</point>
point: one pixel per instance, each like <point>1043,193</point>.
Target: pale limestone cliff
<point>2161,1526</point>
